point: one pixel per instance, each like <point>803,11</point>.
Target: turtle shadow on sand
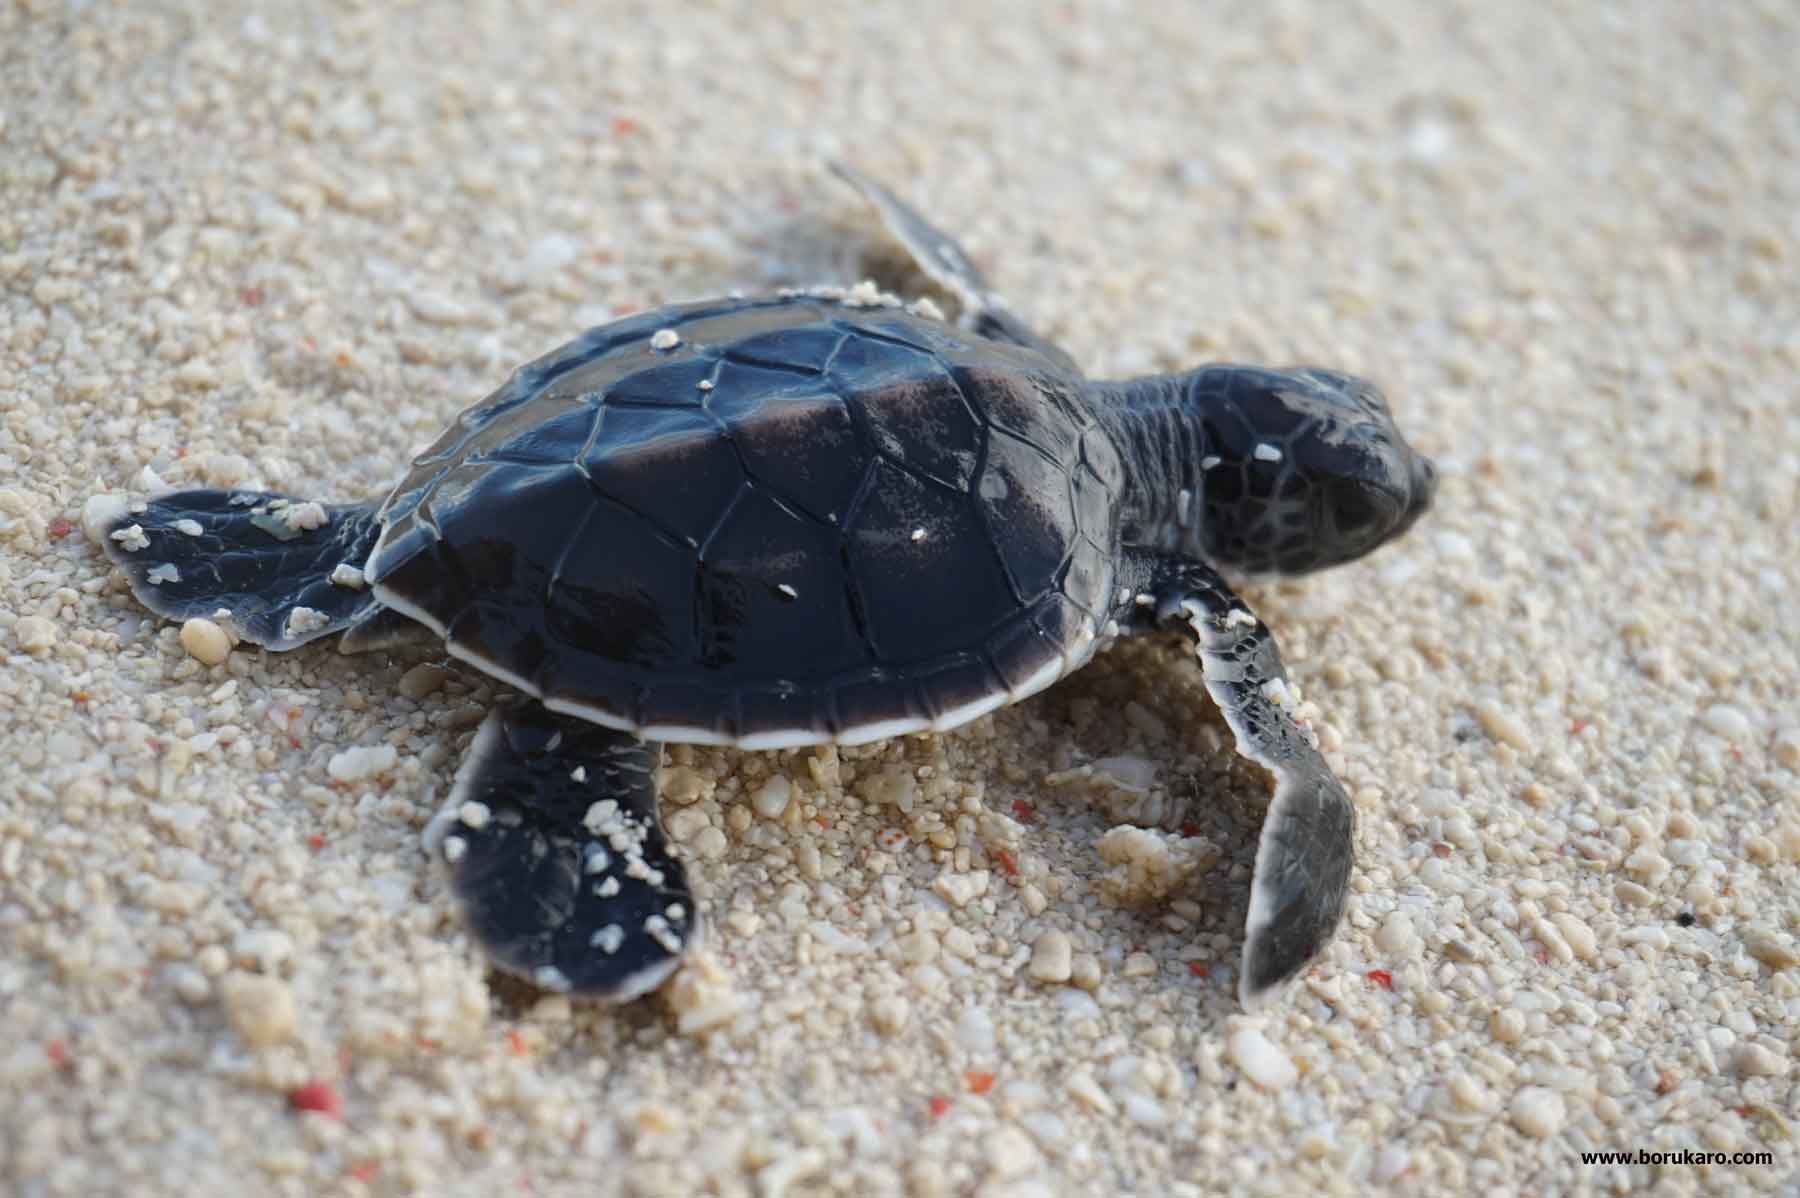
<point>821,516</point>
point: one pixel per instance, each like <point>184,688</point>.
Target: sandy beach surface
<point>282,245</point>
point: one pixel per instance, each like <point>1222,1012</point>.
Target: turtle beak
<point>1424,490</point>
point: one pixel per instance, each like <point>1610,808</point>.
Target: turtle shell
<point>766,522</point>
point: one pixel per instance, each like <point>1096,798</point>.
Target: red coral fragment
<point>1022,811</point>
<point>980,1081</point>
<point>61,527</point>
<point>938,1104</point>
<point>320,1096</point>
<point>1381,977</point>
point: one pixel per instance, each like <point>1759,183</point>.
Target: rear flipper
<point>287,571</point>
<point>557,859</point>
<point>948,264</point>
<point>1304,856</point>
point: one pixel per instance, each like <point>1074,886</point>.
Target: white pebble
<point>1787,747</point>
<point>1724,720</point>
<point>1648,864</point>
<point>774,1179</point>
<point>34,634</point>
<point>1144,1110</point>
<point>260,1009</point>
<point>1453,546</point>
<point>1084,1089</point>
<point>959,889</point>
<point>1390,1164</point>
<point>665,339</point>
<point>1538,1112</point>
<point>102,511</point>
<point>710,845</point>
<point>1650,936</point>
<point>1771,947</point>
<point>269,949</point>
<point>889,1013</point>
<point>771,798</point>
<point>1506,1025</point>
<point>1503,726</point>
<point>685,824</point>
<point>1579,936</point>
<point>1051,956</point>
<point>346,575</point>
<point>364,761</point>
<point>1262,1062</point>
<point>1754,1060</point>
<point>975,1031</point>
<point>1396,936</point>
<point>205,641</point>
<point>1010,1153</point>
<point>1077,1004</point>
<point>1469,1093</point>
<point>552,251</point>
<point>1127,773</point>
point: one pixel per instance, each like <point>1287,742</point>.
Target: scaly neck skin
<point>1158,431</point>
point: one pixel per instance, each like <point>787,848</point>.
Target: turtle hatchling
<point>820,516</point>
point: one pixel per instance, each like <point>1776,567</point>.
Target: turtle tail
<point>285,571</point>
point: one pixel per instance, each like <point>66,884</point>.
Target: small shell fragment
<point>346,575</point>
<point>131,538</point>
<point>301,517</point>
<point>665,339</point>
<point>303,620</point>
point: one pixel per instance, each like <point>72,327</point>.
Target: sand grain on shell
<point>259,246</point>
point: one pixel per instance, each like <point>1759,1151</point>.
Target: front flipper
<point>949,265</point>
<point>288,571</point>
<point>1304,856</point>
<point>557,859</point>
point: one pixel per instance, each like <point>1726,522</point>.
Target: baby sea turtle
<point>786,521</point>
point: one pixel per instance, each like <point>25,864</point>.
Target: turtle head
<point>1304,468</point>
